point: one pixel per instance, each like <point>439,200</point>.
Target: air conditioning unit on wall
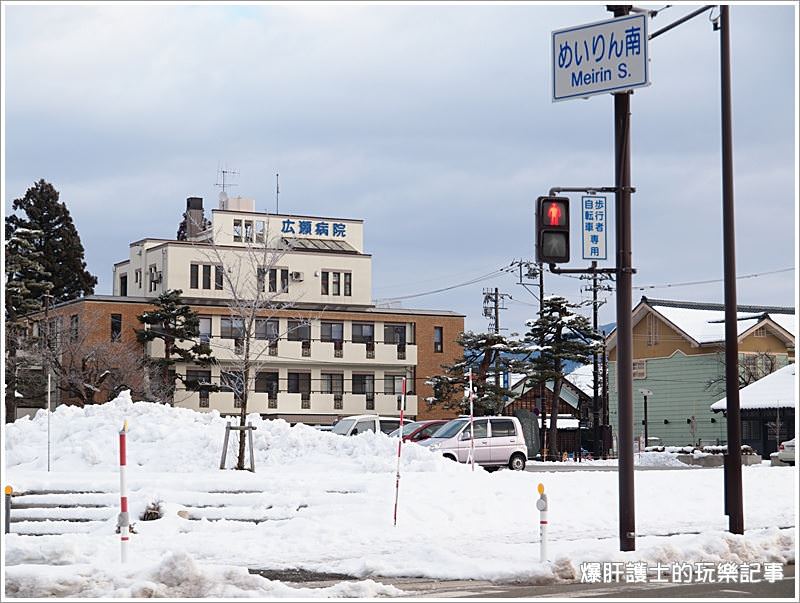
<point>297,276</point>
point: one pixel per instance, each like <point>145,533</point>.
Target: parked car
<point>498,441</point>
<point>786,452</point>
<point>361,423</point>
<point>416,431</point>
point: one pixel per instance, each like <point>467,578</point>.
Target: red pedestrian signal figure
<point>552,230</point>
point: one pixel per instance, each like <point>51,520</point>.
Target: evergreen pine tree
<point>57,240</point>
<point>26,282</point>
<point>487,354</point>
<point>558,335</point>
<point>174,323</point>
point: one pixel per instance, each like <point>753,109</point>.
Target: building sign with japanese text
<point>593,224</point>
<point>315,228</point>
<point>597,58</point>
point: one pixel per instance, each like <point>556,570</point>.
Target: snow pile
<point>163,438</point>
<point>177,575</point>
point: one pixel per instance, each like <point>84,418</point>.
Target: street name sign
<point>598,58</point>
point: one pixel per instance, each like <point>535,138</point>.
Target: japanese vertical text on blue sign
<point>597,58</point>
<point>593,222</point>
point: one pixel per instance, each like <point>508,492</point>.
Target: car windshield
<point>448,430</point>
<point>407,428</point>
<point>343,426</point>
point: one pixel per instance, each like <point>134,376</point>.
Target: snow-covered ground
<point>325,503</point>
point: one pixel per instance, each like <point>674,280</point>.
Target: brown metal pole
<point>622,121</point>
<point>733,473</point>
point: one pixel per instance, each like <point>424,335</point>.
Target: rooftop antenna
<point>225,173</point>
<point>277,191</point>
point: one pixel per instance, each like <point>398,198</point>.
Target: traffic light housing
<point>552,230</point>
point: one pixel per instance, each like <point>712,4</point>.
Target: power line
<point>485,277</point>
<point>709,281</point>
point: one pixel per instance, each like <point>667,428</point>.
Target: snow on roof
<point>705,326</point>
<point>583,378</point>
<point>786,321</point>
<point>776,390</point>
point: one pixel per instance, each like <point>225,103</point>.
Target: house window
<point>335,283</point>
<point>267,329</point>
<point>194,276</point>
<point>231,327</point>
<point>123,284</point>
<point>300,383</point>
<point>237,231</point>
<point>204,328</point>
<point>393,384</point>
<point>260,231</point>
<point>348,284</point>
<point>640,369</point>
<point>299,331</point>
<point>206,276</point>
<point>218,278</point>
<point>137,277</point>
<point>761,332</point>
<point>116,327</point>
<point>324,282</point>
<point>363,332</point>
<point>199,381</point>
<point>73,328</point>
<point>233,381</point>
<point>438,339</point>
<point>653,329</point>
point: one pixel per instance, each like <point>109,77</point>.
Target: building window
<point>154,277</point>
<point>273,280</point>
<point>267,328</point>
<point>260,231</point>
<point>206,276</point>
<point>218,278</point>
<point>237,231</point>
<point>116,327</point>
<point>204,328</point>
<point>640,369</point>
<point>364,385</point>
<point>394,333</point>
<point>393,384</point>
<point>267,383</point>
<point>299,331</point>
<point>761,332</point>
<point>248,231</point>
<point>653,329</point>
<point>284,280</point>
<point>335,283</point>
<point>332,383</point>
<point>73,328</point>
<point>348,284</point>
<point>363,332</point>
<point>231,327</point>
<point>300,383</point>
<point>332,331</point>
<point>194,276</point>
<point>233,381</point>
<point>324,282</point>
<point>199,381</point>
<point>438,339</point>
<point>137,277</point>
<point>123,284</point>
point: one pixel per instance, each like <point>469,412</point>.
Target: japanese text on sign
<point>597,58</point>
<point>593,224</point>
<point>305,227</point>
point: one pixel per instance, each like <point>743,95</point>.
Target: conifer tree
<point>559,335</point>
<point>56,240</point>
<point>174,323</point>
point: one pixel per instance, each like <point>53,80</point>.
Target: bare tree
<point>752,367</point>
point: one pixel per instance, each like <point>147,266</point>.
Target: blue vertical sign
<point>594,226</point>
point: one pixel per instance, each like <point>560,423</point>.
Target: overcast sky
<point>434,124</point>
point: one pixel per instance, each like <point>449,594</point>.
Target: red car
<point>416,431</point>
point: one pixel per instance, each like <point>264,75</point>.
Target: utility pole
<point>622,173</point>
<point>733,468</point>
<point>492,304</point>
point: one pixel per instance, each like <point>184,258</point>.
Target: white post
<point>541,504</point>
<point>123,521</point>
<point>471,415</point>
<point>399,450</point>
<point>48,420</point>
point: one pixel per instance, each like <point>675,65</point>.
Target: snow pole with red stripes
<point>399,450</point>
<point>123,521</point>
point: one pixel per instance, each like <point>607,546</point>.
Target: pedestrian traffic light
<point>552,230</point>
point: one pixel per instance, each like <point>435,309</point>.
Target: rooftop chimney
<point>195,219</point>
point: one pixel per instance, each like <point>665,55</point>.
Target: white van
<point>361,423</point>
<point>498,441</point>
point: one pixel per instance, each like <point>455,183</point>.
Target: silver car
<point>494,441</point>
<point>786,452</point>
